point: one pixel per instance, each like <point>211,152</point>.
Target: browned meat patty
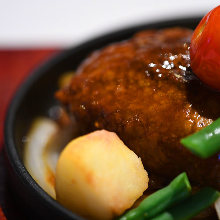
<point>143,89</point>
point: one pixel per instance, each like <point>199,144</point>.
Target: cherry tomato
<point>2,215</point>
<point>205,49</point>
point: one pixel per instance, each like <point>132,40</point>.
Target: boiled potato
<point>98,177</point>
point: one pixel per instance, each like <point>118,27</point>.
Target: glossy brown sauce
<point>143,89</point>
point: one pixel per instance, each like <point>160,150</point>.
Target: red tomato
<point>205,49</point>
<point>2,216</point>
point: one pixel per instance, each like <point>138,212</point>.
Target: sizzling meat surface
<point>143,89</point>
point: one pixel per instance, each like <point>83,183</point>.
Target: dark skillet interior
<point>36,96</point>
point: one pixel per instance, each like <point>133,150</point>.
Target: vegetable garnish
<point>98,176</point>
<point>205,49</point>
<point>178,190</point>
<point>205,142</point>
<point>191,206</point>
<point>2,215</point>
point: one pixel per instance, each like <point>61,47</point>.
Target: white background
<point>38,23</point>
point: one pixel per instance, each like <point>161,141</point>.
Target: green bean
<point>159,201</point>
<point>191,206</point>
<point>205,142</point>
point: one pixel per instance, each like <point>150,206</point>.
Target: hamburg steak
<point>144,90</point>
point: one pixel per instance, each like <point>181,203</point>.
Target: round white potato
<point>98,177</point>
